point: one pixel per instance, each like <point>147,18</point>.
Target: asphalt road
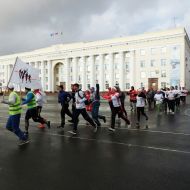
<point>156,158</point>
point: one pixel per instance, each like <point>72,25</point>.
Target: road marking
<point>118,143</point>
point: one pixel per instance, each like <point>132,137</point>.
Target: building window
<point>71,70</point>
<point>127,85</point>
<point>143,74</point>
<point>163,84</point>
<point>97,67</point>
<point>163,62</point>
<point>46,87</point>
<point>107,85</point>
<point>117,76</point>
<point>153,51</point>
<point>46,71</point>
<point>152,74</point>
<point>163,73</point>
<point>142,52</point>
<point>88,86</point>
<point>142,64</point>
<point>152,63</point>
<point>163,50</point>
<point>46,79</point>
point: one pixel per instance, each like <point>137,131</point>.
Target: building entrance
<point>153,83</point>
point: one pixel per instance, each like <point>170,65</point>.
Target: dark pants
<point>85,115</point>
<point>183,99</point>
<point>140,110</point>
<point>39,110</point>
<point>13,126</point>
<point>117,111</point>
<point>33,113</point>
<point>177,102</point>
<point>123,108</point>
<point>65,110</point>
<point>171,105</point>
<point>95,113</point>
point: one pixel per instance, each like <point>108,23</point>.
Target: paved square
<point>154,158</point>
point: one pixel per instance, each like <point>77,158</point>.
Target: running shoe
<point>111,129</point>
<point>48,124</point>
<point>22,142</point>
<point>74,132</point>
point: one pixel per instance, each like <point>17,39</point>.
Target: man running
<point>31,112</point>
<point>15,110</point>
<point>80,109</point>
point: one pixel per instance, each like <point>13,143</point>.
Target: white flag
<point>25,75</point>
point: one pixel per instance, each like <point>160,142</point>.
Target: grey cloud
<point>26,25</point>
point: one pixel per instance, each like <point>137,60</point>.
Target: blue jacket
<point>64,97</point>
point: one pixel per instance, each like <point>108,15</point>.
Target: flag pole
<point>10,78</point>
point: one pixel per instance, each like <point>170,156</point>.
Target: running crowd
<point>87,104</point>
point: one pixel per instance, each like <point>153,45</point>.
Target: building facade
<point>155,60</point>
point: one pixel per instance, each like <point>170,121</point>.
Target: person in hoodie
<point>64,98</point>
<point>95,98</point>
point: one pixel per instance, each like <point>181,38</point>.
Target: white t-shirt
<point>171,94</point>
<point>158,98</point>
<point>140,102</point>
<point>178,93</point>
<point>184,92</point>
<point>80,99</point>
<point>116,100</point>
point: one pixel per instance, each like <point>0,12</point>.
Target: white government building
<point>155,60</point>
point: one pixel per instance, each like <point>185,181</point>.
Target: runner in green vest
<point>32,110</point>
<point>15,110</point>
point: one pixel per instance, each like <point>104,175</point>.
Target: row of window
<point>153,51</point>
<point>153,63</point>
<point>153,74</point>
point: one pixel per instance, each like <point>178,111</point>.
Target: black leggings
<point>115,111</point>
<point>139,111</point>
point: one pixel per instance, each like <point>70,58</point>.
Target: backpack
<point>86,102</point>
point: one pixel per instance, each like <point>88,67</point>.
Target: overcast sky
<point>27,24</point>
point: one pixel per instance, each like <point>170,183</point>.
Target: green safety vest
<point>32,103</point>
<point>16,107</point>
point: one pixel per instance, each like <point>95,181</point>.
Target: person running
<point>31,112</point>
<point>72,94</point>
<point>171,100</point>
<point>15,110</point>
<point>177,97</point>
<point>122,99</point>
<point>40,100</point>
<point>95,98</point>
<point>64,98</point>
<point>141,102</point>
<point>183,96</point>
<point>158,98</point>
<point>80,109</point>
<point>117,109</point>
<point>133,98</point>
<point>150,98</point>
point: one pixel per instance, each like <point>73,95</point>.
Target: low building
<point>155,59</point>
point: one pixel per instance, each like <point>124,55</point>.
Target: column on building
<point>132,69</point>
<point>84,71</point>
<point>50,75</point>
<point>121,71</point>
<point>111,70</point>
<point>67,72</point>
<point>92,70</point>
<point>43,75</point>
<point>36,64</point>
<point>75,69</point>
<point>102,80</point>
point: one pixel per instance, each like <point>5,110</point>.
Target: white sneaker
<point>95,129</point>
<point>72,132</point>
<point>22,142</point>
<point>173,113</point>
<point>111,129</point>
